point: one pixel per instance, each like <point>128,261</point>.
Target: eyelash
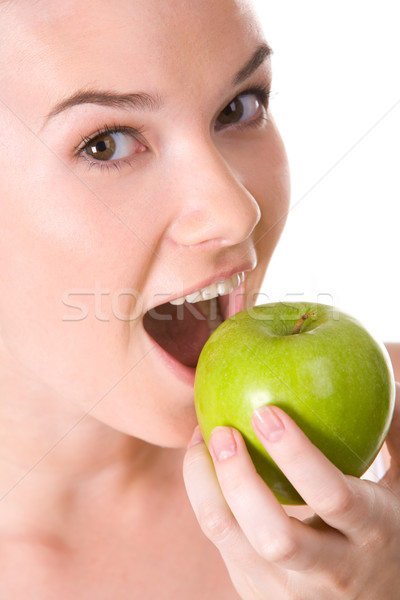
<point>108,129</point>
<point>262,94</point>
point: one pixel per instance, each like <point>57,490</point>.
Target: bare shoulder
<point>394,353</point>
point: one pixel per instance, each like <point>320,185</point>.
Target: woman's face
<point>139,164</point>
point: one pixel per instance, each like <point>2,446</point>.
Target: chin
<point>172,337</point>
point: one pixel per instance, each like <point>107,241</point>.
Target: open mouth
<point>182,326</point>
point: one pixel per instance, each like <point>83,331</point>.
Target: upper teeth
<point>213,290</point>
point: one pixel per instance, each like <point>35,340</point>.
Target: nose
<point>214,204</point>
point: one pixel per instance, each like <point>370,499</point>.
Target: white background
<point>336,98</point>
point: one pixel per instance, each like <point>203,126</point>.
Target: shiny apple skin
<point>332,378</point>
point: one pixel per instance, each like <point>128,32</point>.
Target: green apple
<point>316,363</point>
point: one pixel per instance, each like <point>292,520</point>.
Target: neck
<point>55,459</point>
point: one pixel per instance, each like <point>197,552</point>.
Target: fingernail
<point>268,423</point>
<point>197,438</point>
<point>222,443</point>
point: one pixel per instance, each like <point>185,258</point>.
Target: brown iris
<point>232,113</point>
<point>102,147</point>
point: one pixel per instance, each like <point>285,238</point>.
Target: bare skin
<point>394,352</point>
<point>123,544</point>
<point>94,422</point>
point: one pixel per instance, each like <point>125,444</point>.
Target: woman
<point>141,165</point>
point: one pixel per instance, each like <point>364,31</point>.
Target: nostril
<point>222,221</point>
<point>210,200</point>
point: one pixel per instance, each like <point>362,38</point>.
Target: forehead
<point>49,49</point>
<point>66,36</point>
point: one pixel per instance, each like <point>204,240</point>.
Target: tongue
<point>181,330</point>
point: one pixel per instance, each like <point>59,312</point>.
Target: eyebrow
<point>143,101</point>
<point>139,101</point>
<point>262,53</point>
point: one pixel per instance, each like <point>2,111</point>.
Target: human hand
<point>350,548</point>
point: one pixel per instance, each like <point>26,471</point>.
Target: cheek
<point>269,182</point>
<point>65,257</point>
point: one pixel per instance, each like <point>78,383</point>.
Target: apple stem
<point>299,324</point>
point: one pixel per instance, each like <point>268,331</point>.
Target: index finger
<point>341,501</point>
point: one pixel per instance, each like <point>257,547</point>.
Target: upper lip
<point>221,276</point>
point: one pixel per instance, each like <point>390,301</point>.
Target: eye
<point>245,107</point>
<point>111,145</point>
